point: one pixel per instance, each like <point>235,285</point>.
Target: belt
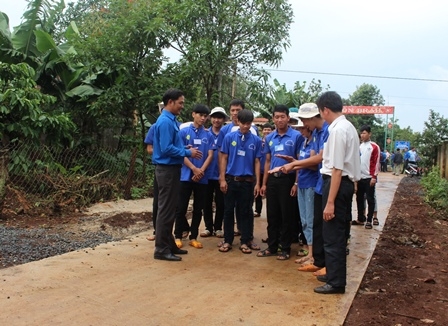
<point>279,175</point>
<point>240,179</point>
<point>345,177</point>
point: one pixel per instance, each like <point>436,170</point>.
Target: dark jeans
<point>259,199</point>
<point>155,203</point>
<point>215,194</point>
<point>334,233</point>
<point>168,180</point>
<point>239,196</point>
<point>280,212</point>
<point>365,191</point>
<point>318,240</point>
<point>199,191</point>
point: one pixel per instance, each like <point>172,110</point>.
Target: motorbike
<point>413,170</point>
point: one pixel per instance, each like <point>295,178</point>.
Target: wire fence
<point>66,177</point>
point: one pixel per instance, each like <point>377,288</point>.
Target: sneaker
<point>219,234</point>
<point>179,243</point>
<point>205,234</point>
<point>196,244</point>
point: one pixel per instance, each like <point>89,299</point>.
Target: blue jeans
<point>306,207</point>
<point>239,196</point>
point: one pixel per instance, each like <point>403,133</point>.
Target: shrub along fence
<point>79,177</point>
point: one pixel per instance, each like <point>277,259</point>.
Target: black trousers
<point>365,191</point>
<point>168,180</point>
<point>155,203</point>
<point>199,191</point>
<point>280,212</point>
<point>334,233</point>
<point>259,199</point>
<point>318,240</point>
<point>214,194</point>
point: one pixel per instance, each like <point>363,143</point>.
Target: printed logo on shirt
<point>270,143</point>
<point>234,143</point>
<point>188,137</point>
<point>252,146</point>
<point>289,142</point>
<point>205,140</point>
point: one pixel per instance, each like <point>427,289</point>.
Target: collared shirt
<point>341,151</point>
<point>230,127</point>
<point>213,169</point>
<point>286,144</point>
<point>242,150</point>
<point>307,178</point>
<point>201,139</point>
<point>319,139</point>
<point>370,159</point>
<point>149,139</point>
<point>168,148</point>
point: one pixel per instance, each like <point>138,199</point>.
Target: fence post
<point>3,176</point>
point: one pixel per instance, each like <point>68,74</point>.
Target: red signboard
<point>368,109</point>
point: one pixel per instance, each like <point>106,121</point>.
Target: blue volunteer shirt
<point>307,177</point>
<point>149,139</point>
<point>168,147</point>
<point>201,139</point>
<point>320,137</point>
<point>230,127</point>
<point>287,144</point>
<point>242,150</point>
<point>213,169</point>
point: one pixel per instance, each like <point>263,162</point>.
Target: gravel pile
<point>19,246</point>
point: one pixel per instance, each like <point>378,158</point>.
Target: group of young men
<point>319,163</point>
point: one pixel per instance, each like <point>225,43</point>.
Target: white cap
<point>308,110</point>
<point>220,110</point>
<point>294,116</point>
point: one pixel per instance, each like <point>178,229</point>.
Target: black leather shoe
<point>322,278</point>
<point>169,257</point>
<point>328,289</point>
<point>179,252</point>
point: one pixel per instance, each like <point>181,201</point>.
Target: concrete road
<point>121,284</point>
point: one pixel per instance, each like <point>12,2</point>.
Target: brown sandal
<point>226,247</point>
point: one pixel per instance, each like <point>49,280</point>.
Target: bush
<point>436,189</point>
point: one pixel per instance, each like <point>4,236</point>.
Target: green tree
<point>27,115</point>
<point>368,95</point>
<point>434,133</point>
<point>218,38</point>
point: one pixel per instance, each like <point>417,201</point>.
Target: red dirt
<point>406,282</point>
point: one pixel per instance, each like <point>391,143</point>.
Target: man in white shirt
<point>340,169</point>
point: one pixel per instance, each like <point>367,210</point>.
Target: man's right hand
<point>196,153</point>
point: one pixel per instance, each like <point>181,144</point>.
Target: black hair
<point>398,149</point>
<point>171,94</point>
<point>236,102</point>
<point>281,108</point>
<point>245,116</point>
<point>267,125</point>
<point>365,128</point>
<point>201,108</point>
<point>330,100</point>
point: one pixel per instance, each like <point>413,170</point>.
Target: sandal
<point>226,247</point>
<point>205,234</point>
<point>368,225</point>
<point>302,253</point>
<point>305,259</point>
<point>245,249</point>
<point>375,221</point>
<point>252,245</point>
<point>221,243</point>
<point>284,255</point>
<point>196,244</point>
<point>266,253</point>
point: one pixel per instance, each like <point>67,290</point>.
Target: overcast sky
<point>393,38</point>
